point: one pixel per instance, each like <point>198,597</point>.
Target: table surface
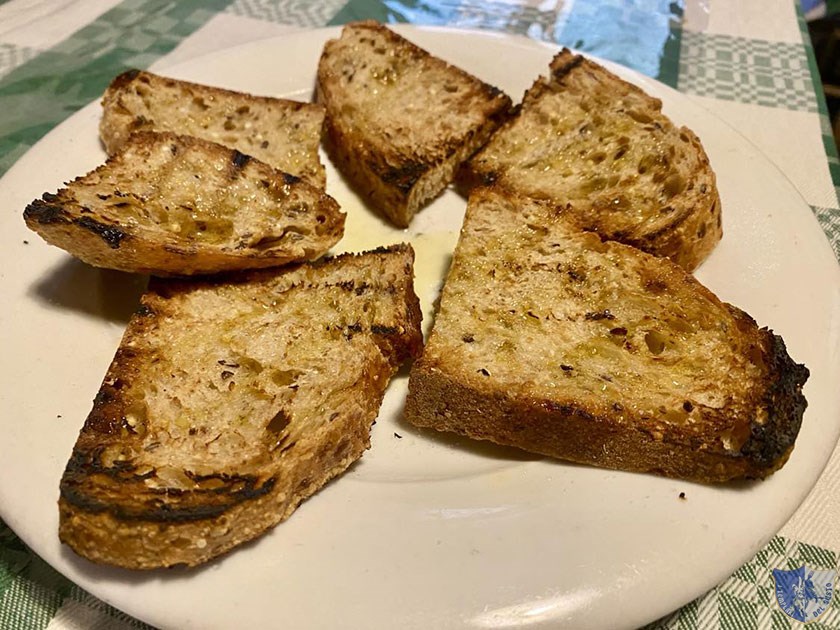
<point>749,62</point>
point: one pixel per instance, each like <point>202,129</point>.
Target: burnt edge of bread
<point>124,78</point>
<point>785,405</point>
<point>44,212</point>
<point>445,402</point>
<point>402,176</point>
<point>235,489</point>
<point>569,62</point>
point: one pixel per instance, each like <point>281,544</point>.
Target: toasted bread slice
<point>232,400</point>
<point>595,352</point>
<point>175,205</point>
<point>282,133</point>
<point>586,138</point>
<point>400,121</point>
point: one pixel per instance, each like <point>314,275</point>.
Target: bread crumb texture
<point>174,205</point>
<point>544,327</point>
<point>591,141</point>
<point>399,120</point>
<point>283,133</point>
<point>230,401</point>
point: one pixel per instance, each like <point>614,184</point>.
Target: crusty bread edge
<point>103,538</point>
<point>451,402</point>
<point>772,438</point>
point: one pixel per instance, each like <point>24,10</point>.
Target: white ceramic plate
<point>426,531</point>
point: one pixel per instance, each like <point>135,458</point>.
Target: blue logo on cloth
<point>804,594</point>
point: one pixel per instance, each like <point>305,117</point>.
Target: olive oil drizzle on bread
<point>550,339</point>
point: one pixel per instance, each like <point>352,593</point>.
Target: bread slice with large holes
<point>230,401</point>
<point>176,205</point>
<point>554,341</point>
<point>283,133</point>
<point>586,138</point>
<point>400,121</point>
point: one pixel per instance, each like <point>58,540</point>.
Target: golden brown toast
<point>557,342</point>
<point>175,205</point>
<point>282,133</point>
<point>586,138</point>
<point>231,400</point>
<point>399,121</point>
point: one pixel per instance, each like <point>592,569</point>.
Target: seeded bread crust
<point>175,205</point>
<point>399,121</point>
<point>282,133</point>
<point>586,138</point>
<point>556,342</point>
<point>230,401</point>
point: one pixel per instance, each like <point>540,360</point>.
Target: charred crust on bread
<point>158,506</point>
<point>144,310</point>
<point>384,249</point>
<point>290,179</point>
<point>239,159</point>
<point>41,211</point>
<point>123,79</point>
<point>784,404</point>
<point>111,234</point>
<point>564,63</point>
<point>567,410</point>
<point>403,176</point>
<point>489,178</point>
<point>378,329</point>
<point>494,92</point>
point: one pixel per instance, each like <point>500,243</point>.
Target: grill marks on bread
<point>174,205</point>
<point>230,401</point>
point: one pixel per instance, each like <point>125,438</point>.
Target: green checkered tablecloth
<point>750,62</point>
